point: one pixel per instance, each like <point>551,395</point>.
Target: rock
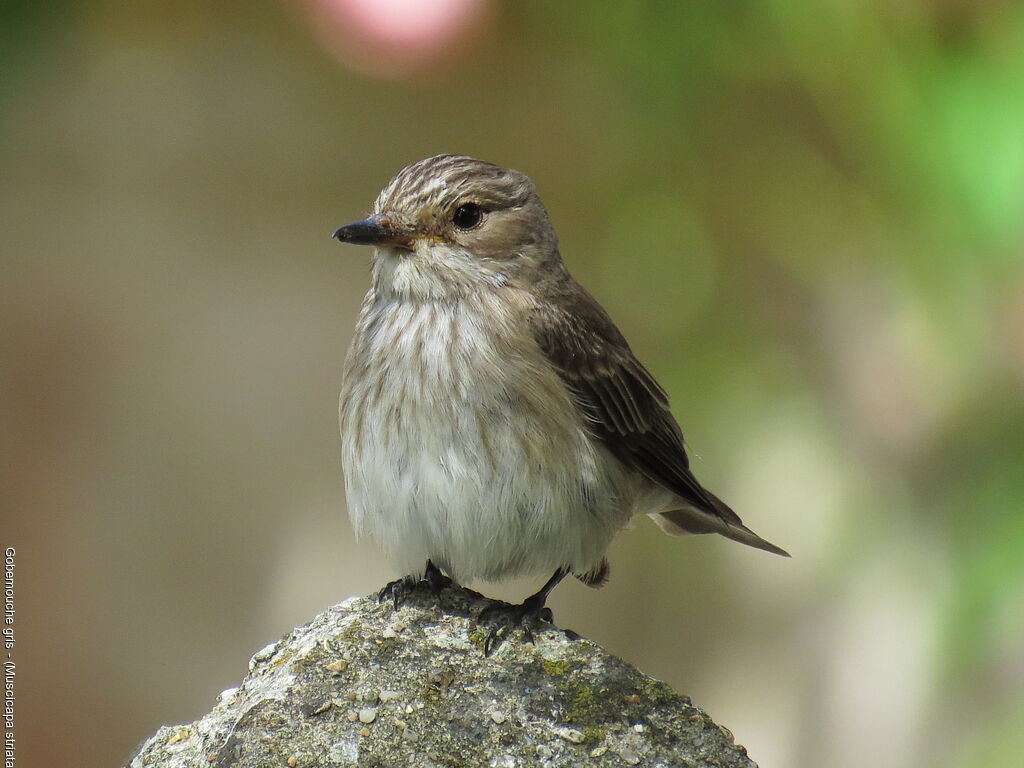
<point>423,694</point>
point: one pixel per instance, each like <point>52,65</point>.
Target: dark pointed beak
<point>374,230</point>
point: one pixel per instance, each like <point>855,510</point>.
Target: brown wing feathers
<point>628,410</point>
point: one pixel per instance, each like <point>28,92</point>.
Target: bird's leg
<point>400,589</point>
<point>436,578</point>
<point>508,617</point>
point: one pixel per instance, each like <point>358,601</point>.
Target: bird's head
<point>450,224</point>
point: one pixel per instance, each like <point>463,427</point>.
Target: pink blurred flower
<point>396,38</point>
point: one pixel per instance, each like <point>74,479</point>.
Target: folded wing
<point>628,411</point>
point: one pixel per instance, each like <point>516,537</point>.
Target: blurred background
<point>807,217</point>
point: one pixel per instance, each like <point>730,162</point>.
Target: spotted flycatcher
<point>494,420</point>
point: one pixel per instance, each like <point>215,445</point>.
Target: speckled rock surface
<point>365,685</point>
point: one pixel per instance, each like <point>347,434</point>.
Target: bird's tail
<point>722,520</point>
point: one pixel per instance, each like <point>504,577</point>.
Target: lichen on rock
<point>366,685</point>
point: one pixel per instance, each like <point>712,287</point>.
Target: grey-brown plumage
<point>627,409</point>
<point>494,420</point>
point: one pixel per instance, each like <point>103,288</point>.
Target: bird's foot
<point>505,618</point>
<point>398,591</point>
<point>526,617</point>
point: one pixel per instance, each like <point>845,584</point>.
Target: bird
<point>494,420</point>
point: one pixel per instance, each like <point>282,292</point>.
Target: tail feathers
<point>597,576</point>
<point>678,522</point>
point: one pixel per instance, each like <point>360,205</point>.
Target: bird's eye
<point>468,216</point>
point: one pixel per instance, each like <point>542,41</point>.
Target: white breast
<point>460,445</point>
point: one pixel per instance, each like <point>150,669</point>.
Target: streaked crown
<point>444,179</point>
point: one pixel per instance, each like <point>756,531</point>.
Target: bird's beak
<point>374,230</point>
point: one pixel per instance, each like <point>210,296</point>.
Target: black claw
<point>525,617</point>
<point>506,618</point>
<point>399,590</point>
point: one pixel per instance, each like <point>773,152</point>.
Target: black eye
<point>468,216</point>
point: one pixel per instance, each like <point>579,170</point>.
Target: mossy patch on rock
<point>555,668</point>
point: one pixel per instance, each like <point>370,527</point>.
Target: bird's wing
<point>628,411</point>
<point>626,408</point>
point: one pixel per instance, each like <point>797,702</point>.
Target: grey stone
<point>561,701</point>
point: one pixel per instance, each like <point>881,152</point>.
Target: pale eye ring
<point>468,216</point>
